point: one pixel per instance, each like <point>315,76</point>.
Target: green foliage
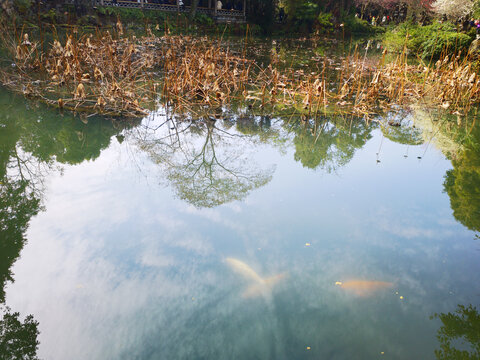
<point>334,147</point>
<point>462,183</point>
<point>49,16</point>
<point>17,203</point>
<point>202,175</point>
<point>463,324</point>
<point>18,339</point>
<point>204,19</point>
<point>262,14</point>
<point>476,10</point>
<point>429,41</point>
<point>307,11</point>
<point>445,43</point>
<point>405,134</point>
<point>22,6</point>
<point>355,25</point>
<point>305,16</point>
<point>17,206</point>
<point>324,22</point>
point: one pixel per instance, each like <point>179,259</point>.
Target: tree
<point>454,8</point>
<point>18,339</point>
<point>262,13</point>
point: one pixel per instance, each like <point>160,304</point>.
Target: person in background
<point>219,5</point>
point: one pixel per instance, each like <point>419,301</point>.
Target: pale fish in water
<point>364,287</point>
<point>259,286</point>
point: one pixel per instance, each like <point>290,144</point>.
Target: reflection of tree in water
<point>399,128</point>
<point>261,128</point>
<point>18,339</point>
<point>206,165</point>
<point>462,326</point>
<point>17,206</point>
<point>460,144</point>
<point>462,183</point>
<point>329,143</point>
<point>18,201</point>
<point>29,144</point>
<point>67,139</point>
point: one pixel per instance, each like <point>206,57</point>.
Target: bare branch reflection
<point>206,163</point>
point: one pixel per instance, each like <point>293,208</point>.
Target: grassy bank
<point>429,42</point>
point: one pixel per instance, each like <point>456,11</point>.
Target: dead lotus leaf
<point>80,92</point>
<point>101,102</point>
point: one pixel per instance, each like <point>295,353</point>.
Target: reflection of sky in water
<point>118,268</point>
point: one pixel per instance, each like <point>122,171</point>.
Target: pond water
<point>241,237</point>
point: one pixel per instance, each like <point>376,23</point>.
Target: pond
<point>243,236</point>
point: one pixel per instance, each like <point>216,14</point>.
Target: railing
<point>221,15</point>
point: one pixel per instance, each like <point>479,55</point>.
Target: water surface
<point>247,237</point>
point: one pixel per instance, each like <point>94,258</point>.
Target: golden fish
<point>364,287</point>
<point>260,286</point>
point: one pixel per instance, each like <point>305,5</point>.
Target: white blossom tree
<point>453,8</point>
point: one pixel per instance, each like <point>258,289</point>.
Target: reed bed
<point>119,75</point>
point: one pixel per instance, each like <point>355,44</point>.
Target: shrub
<point>324,22</point>
<point>22,6</point>
<point>355,25</point>
<point>204,19</point>
<point>445,43</point>
<point>428,41</point>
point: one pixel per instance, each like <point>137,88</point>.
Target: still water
<point>248,237</point>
